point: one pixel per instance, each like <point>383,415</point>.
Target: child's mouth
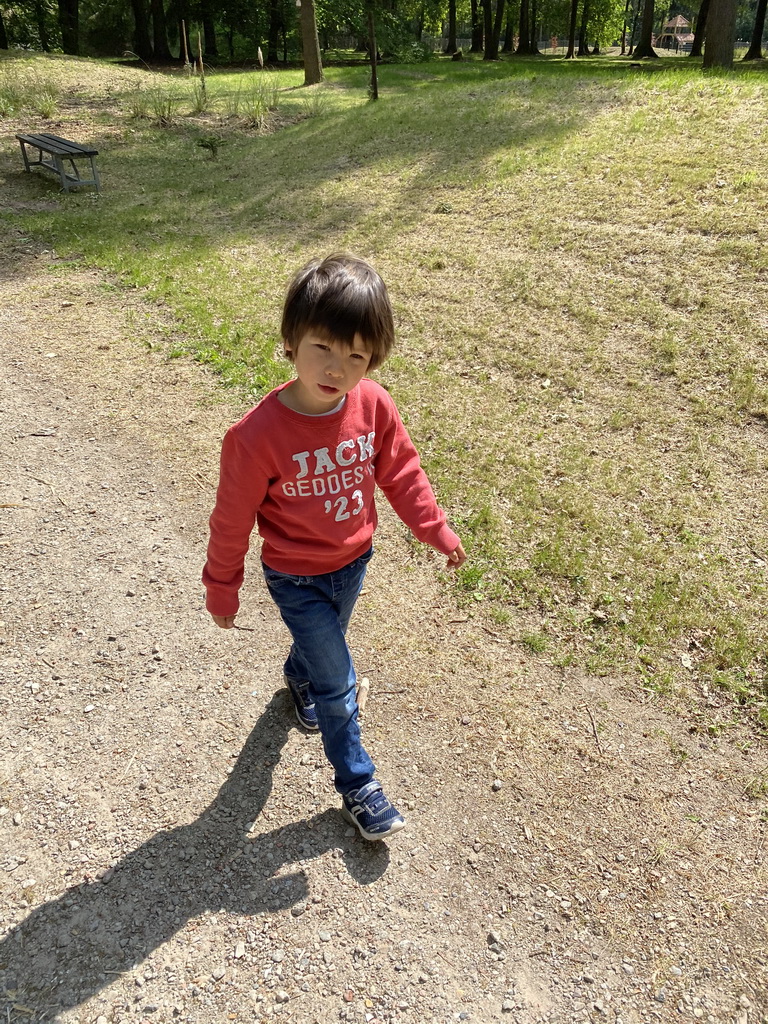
<point>327,389</point>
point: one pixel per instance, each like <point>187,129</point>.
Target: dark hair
<point>338,297</point>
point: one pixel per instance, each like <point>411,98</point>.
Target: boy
<point>303,464</point>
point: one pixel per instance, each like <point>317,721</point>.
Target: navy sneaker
<point>370,810</point>
<point>305,708</point>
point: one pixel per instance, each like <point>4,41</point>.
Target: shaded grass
<point>577,258</point>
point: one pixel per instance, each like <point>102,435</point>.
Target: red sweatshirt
<point>309,483</point>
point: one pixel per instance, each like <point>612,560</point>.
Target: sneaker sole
<point>372,837</point>
<point>303,724</point>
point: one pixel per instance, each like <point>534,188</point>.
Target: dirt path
<point>170,847</point>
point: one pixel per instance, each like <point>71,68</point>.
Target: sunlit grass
<point>576,253</point>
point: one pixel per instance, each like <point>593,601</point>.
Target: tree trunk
<point>451,47</point>
<point>210,46</point>
<point>583,45</point>
<point>477,27</point>
<point>534,47</point>
<point>372,45</point>
<point>596,48</point>
<point>492,26</point>
<point>42,27</point>
<point>572,30</point>
<point>509,32</point>
<point>3,34</point>
<point>624,29</point>
<point>69,22</point>
<point>498,21</point>
<point>310,44</point>
<point>633,33</point>
<point>273,33</point>
<point>488,53</point>
<point>701,30</point>
<point>755,51</point>
<point>721,32</point>
<point>644,46</point>
<point>159,31</point>
<point>524,29</point>
<point>142,45</point>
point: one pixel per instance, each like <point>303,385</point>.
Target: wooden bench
<point>52,152</point>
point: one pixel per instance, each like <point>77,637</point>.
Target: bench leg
<point>95,175</point>
<point>24,154</point>
<point>62,173</point>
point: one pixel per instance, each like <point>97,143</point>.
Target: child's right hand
<point>225,621</point>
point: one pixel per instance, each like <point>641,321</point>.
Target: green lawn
<point>577,257</point>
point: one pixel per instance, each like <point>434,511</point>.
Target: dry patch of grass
<point>578,266</point>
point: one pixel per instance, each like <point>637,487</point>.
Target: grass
<point>576,253</point>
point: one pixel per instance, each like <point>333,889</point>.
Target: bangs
<point>339,298</point>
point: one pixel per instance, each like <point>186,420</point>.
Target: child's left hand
<point>456,558</point>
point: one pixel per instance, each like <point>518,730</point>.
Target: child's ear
<point>288,353</point>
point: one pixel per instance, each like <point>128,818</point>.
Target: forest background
<point>283,31</point>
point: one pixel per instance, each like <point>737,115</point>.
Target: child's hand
<point>456,558</point>
<point>225,621</point>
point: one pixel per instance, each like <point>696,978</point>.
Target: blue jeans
<point>317,610</point>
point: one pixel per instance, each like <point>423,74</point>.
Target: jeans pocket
<point>275,579</point>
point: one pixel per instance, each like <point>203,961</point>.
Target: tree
<point>755,51</point>
<point>534,48</point>
<point>142,44</point>
<point>3,34</point>
<point>451,45</point>
<point>492,25</point>
<point>644,46</point>
<point>524,29</point>
<point>572,30</point>
<point>583,50</point>
<point>721,29</point>
<point>69,23</point>
<point>624,28</point>
<point>477,27</point>
<point>310,44</point>
<point>159,31</point>
<point>701,30</point>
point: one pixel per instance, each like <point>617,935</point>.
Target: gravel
<point>170,843</point>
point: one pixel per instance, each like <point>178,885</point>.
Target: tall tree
<point>159,31</point>
<point>142,44</point>
<point>721,32</point>
<point>492,22</point>
<point>624,28</point>
<point>273,34</point>
<point>41,17</point>
<point>583,50</point>
<point>755,51</point>
<point>509,31</point>
<point>701,30</point>
<point>451,46</point>
<point>310,44</point>
<point>534,48</point>
<point>3,34</point>
<point>644,46</point>
<point>524,29</point>
<point>571,52</point>
<point>209,10</point>
<point>477,26</point>
<point>69,23</point>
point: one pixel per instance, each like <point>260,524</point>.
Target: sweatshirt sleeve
<point>400,476</point>
<point>241,490</point>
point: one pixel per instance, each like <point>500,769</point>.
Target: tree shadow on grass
<point>70,948</point>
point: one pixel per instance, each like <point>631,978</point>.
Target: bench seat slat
<point>57,145</point>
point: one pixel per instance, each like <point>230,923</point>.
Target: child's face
<point>326,371</point>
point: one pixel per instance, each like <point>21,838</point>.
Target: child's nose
<point>333,368</point>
